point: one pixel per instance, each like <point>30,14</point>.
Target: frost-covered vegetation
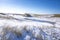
<point>13,27</point>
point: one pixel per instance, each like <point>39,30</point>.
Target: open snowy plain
<point>17,27</point>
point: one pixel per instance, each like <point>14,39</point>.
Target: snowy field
<point>15,27</point>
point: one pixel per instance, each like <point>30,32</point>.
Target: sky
<point>30,6</point>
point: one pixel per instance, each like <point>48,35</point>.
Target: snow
<point>29,28</point>
<point>27,37</point>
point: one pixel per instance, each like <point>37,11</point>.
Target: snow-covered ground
<point>29,28</point>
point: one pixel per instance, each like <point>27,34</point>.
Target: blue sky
<point>30,6</point>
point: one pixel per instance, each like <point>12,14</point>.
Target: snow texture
<point>29,28</point>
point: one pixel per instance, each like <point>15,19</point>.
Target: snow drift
<point>13,27</point>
